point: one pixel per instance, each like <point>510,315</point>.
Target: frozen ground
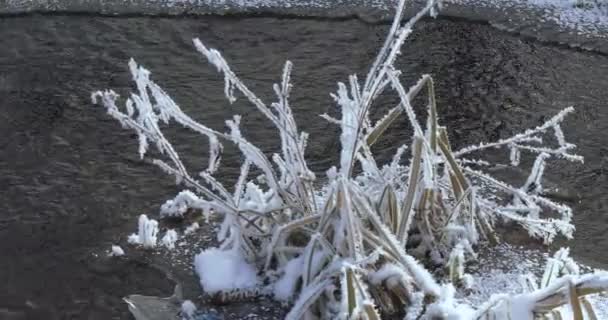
<point>582,15</point>
<point>500,270</point>
<point>497,270</point>
<point>577,23</point>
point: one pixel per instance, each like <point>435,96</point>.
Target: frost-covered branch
<point>517,142</point>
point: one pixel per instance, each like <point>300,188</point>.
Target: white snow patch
<point>117,251</point>
<point>178,206</point>
<point>285,287</point>
<point>188,310</point>
<point>447,307</point>
<point>193,227</point>
<point>390,273</point>
<point>220,270</point>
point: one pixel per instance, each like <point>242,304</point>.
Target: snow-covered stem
<point>521,137</point>
<point>376,79</point>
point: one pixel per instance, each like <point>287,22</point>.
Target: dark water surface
<point>72,182</point>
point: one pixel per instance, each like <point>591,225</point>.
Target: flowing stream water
<point>73,184</point>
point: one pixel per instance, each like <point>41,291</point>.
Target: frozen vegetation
<point>147,231</point>
<point>169,239</point>
<point>376,239</point>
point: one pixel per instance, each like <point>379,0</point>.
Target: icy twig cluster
<point>376,242</point>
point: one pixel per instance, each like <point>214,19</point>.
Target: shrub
<point>368,244</point>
